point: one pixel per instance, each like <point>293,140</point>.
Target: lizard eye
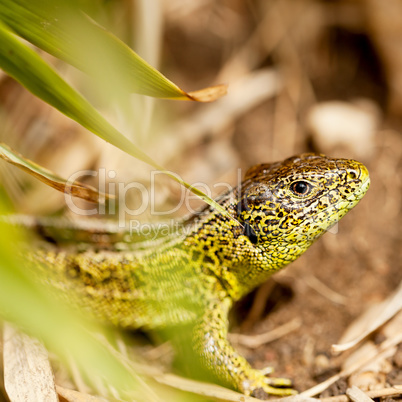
<point>301,188</point>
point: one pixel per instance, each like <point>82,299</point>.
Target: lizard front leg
<point>218,356</point>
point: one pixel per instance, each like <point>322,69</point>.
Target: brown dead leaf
<point>208,94</point>
<point>76,189</point>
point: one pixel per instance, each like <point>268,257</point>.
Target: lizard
<point>191,278</point>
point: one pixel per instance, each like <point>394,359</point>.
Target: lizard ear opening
<point>247,229</point>
<point>250,233</point>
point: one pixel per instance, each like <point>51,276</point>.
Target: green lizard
<point>190,279</point>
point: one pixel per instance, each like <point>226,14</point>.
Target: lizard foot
<point>257,384</point>
<point>275,382</point>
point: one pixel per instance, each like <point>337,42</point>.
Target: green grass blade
<point>62,29</point>
<point>29,305</point>
<point>23,64</point>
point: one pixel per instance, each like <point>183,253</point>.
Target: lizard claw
<point>259,385</point>
<point>275,382</point>
<point>263,392</point>
<point>279,382</point>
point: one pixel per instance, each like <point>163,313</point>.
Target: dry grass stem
<point>258,306</point>
<point>75,396</point>
<point>369,322</point>
<point>202,388</point>
<point>378,393</point>
<point>324,290</point>
<point>27,372</point>
<point>382,349</point>
<point>357,395</point>
<point>255,341</point>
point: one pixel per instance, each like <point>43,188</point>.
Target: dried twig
<point>255,341</point>
<point>27,372</point>
<point>373,319</point>
<point>382,349</point>
<point>357,395</point>
<point>324,290</point>
<point>378,393</point>
<point>202,388</point>
<point>75,396</point>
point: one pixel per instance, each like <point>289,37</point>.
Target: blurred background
<point>303,76</point>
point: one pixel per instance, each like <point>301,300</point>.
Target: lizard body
<point>191,279</point>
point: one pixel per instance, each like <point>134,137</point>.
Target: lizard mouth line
<point>359,193</point>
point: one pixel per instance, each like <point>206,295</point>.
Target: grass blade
<point>62,29</point>
<point>26,66</point>
<point>30,306</point>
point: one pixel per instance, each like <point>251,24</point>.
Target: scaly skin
<point>191,279</point>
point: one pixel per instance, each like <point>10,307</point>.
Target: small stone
<point>368,380</point>
<point>321,361</point>
<point>259,393</point>
<point>321,365</point>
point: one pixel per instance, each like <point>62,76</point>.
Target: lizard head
<point>297,200</point>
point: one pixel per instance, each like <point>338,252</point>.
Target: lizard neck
<point>262,261</point>
<point>221,249</point>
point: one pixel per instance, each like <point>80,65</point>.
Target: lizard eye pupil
<point>300,188</point>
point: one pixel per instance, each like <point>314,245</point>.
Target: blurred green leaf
<point>30,306</point>
<point>26,66</point>
<point>61,28</point>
